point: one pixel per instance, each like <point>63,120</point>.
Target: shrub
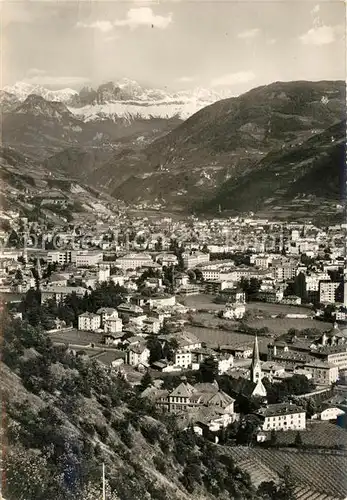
<point>159,464</point>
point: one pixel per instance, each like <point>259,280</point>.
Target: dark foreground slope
<point>64,416</point>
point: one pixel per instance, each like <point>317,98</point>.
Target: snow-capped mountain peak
<point>23,89</point>
<point>125,98</point>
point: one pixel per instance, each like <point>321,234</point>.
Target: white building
<point>183,359</point>
<point>103,272</point>
<point>162,301</point>
<point>106,312</point>
<point>87,258</point>
<point>331,413</point>
<point>134,261</point>
<point>113,324</point>
<point>89,321</point>
<point>194,259</point>
<point>282,417</point>
<point>137,355</point>
<point>327,291</point>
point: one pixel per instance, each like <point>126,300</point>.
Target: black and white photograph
<point>173,239</point>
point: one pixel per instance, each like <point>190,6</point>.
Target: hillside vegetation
<point>65,415</point>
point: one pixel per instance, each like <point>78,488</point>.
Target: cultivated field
<point>322,472</point>
<point>317,433</point>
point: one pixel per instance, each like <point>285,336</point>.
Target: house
<point>161,301</point>
<point>113,324</point>
<point>272,370</point>
<point>105,313</point>
<point>130,309</point>
<point>60,292</point>
<point>137,355</point>
<point>187,397</point>
<point>271,296</point>
<point>291,300</point>
<point>89,321</point>
<point>282,417</point>
<point>183,359</point>
<point>167,259</point>
<point>113,339</point>
<point>151,325</point>
<point>329,412</point>
<point>187,341</point>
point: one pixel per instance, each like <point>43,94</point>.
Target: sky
<point>175,44</point>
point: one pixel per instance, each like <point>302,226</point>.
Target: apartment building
<point>194,259</point>
<point>282,417</point>
<point>61,257</point>
<point>89,321</point>
<point>283,272</point>
<point>87,258</point>
<point>322,373</point>
<point>134,261</point>
<point>330,292</point>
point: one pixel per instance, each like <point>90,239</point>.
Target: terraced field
<point>325,473</point>
<point>317,433</point>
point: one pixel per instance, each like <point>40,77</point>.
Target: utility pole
<point>103,483</point>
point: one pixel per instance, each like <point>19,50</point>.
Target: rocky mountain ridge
<point>125,98</point>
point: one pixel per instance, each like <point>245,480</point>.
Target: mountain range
<point>271,141</point>
<point>123,99</point>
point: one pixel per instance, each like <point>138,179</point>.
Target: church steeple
<point>255,365</point>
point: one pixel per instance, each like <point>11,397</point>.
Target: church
<point>255,372</point>
<point>250,385</point>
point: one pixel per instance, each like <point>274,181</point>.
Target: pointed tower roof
<point>255,355</point>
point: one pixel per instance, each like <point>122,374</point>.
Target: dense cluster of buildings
<point>157,264</point>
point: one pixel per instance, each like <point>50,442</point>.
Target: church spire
<point>255,356</point>
<point>255,365</point>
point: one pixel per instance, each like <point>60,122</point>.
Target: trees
<point>273,437</point>
<point>146,381</point>
<point>209,369</point>
<point>155,349</point>
<point>251,287</point>
<point>269,490</point>
<point>298,440</point>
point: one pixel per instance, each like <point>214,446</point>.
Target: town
<point>235,323</point>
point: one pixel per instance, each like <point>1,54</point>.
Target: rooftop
<point>279,409</point>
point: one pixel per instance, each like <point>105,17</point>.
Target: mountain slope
<point>26,182</point>
<point>37,126</point>
<point>298,175</point>
<point>229,138</point>
<point>67,415</point>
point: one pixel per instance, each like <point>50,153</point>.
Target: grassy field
<point>258,315</point>
<point>279,326</point>
<point>216,337</point>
